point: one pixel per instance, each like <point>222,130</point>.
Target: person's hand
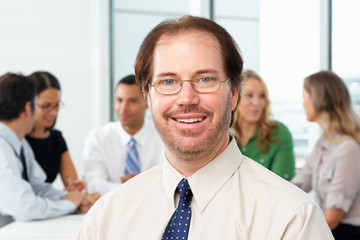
<point>127,177</point>
<point>75,196</point>
<point>88,201</point>
<point>76,185</point>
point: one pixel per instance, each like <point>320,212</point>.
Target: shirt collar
<point>9,135</point>
<point>139,136</point>
<point>207,181</point>
<point>335,139</point>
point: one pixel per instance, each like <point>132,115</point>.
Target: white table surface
<point>63,228</point>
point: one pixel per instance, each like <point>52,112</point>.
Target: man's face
<point>192,125</point>
<point>130,107</point>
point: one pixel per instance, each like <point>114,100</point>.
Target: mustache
<point>188,109</point>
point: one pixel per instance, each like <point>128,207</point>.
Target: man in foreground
<point>205,189</point>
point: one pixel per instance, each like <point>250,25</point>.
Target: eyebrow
<point>130,98</point>
<point>165,74</point>
<point>47,102</point>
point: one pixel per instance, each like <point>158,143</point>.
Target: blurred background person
<point>24,194</point>
<point>119,150</point>
<point>332,170</point>
<point>266,141</point>
<point>48,144</point>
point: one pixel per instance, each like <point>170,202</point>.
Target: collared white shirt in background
<point>105,149</point>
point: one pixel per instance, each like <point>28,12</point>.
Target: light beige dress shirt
<point>233,198</point>
<point>333,171</point>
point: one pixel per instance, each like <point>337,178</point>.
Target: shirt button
<point>244,148</point>
<point>262,160</point>
<point>286,175</point>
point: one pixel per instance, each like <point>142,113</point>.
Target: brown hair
<point>265,126</point>
<point>332,103</point>
<point>232,59</point>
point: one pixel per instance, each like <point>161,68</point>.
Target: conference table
<point>62,228</point>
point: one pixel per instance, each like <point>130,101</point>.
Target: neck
<point>247,130</point>
<point>133,129</point>
<point>188,165</point>
<point>38,132</point>
<point>17,127</point>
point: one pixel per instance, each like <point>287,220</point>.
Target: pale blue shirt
<point>19,199</point>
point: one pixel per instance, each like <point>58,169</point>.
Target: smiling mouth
<point>190,120</point>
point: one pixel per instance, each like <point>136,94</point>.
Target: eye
<point>167,82</point>
<point>248,95</point>
<point>206,79</point>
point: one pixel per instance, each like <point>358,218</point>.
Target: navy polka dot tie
<point>178,226</point>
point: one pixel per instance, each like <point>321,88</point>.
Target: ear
<point>28,111</point>
<point>234,97</point>
<point>148,100</point>
<point>145,102</point>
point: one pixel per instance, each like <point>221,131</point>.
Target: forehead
<point>128,90</point>
<point>253,83</point>
<point>187,49</point>
<point>49,94</point>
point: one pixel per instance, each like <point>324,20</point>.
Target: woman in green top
<point>266,141</point>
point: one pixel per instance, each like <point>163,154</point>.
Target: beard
<point>174,139</point>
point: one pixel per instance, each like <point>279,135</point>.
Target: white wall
<point>69,39</point>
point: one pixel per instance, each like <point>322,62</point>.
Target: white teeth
<point>190,120</point>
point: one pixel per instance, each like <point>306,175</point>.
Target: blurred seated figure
<point>47,143</point>
<point>332,170</point>
<point>119,150</point>
<point>266,141</point>
<point>24,195</point>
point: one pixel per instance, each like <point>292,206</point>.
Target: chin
<point>47,125</point>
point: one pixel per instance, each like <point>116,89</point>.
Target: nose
<point>54,110</point>
<point>124,106</point>
<point>257,101</point>
<point>187,95</point>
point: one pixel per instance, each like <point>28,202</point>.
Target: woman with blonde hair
<point>266,141</point>
<point>332,170</point>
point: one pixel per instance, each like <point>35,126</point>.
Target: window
<point>289,51</point>
<point>346,46</point>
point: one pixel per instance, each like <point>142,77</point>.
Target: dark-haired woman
<point>48,144</point>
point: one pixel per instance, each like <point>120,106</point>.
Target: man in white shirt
<point>106,148</point>
<point>190,71</point>
<point>24,195</point>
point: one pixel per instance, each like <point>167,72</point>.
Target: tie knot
<point>131,142</point>
<point>185,190</point>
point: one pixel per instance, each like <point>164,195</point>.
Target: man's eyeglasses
<point>48,108</point>
<point>170,86</point>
